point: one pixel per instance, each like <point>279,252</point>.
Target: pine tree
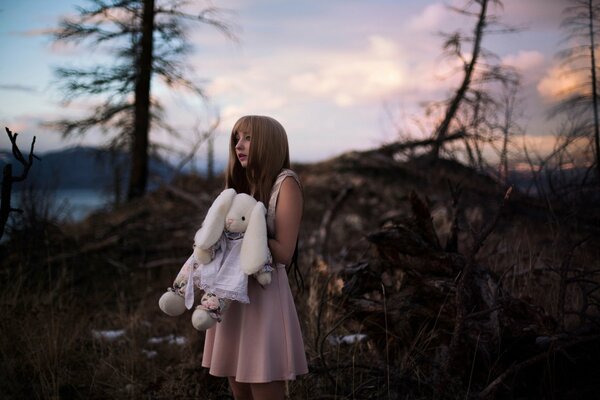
<point>148,39</point>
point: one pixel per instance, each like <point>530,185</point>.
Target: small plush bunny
<point>230,245</point>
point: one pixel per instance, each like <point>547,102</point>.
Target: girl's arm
<point>287,221</point>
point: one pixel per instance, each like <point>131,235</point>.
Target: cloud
<point>536,14</point>
<point>430,19</point>
<point>36,32</point>
<point>531,64</point>
<point>561,82</point>
<point>18,88</point>
<point>524,60</point>
<point>350,77</point>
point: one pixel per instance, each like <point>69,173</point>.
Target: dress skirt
<point>261,341</point>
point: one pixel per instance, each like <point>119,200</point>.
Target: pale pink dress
<point>261,341</point>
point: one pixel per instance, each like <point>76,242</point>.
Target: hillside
<point>82,168</point>
<point>378,300</point>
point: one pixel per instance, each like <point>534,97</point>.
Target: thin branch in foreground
<point>8,179</point>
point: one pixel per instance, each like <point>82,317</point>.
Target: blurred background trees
<point>147,40</point>
<point>582,26</point>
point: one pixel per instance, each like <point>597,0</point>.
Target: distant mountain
<point>83,168</point>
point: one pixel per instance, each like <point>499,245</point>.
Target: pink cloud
<point>430,19</point>
<point>535,13</point>
<point>524,60</point>
<point>560,82</point>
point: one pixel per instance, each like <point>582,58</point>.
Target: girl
<point>258,346</point>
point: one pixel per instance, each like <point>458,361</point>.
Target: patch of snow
<point>109,335</point>
<point>347,339</point>
<point>170,339</point>
<point>150,353</point>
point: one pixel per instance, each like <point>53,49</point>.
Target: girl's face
<point>242,147</point>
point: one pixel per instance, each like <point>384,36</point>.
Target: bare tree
<point>8,179</point>
<point>508,126</point>
<point>581,25</point>
<point>148,40</point>
<point>472,105</point>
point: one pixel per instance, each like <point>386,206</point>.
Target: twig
<point>452,242</point>
<point>110,241</point>
<point>164,262</point>
<point>328,216</point>
<point>464,291</point>
<point>564,281</point>
<point>492,387</point>
<point>396,147</point>
<point>194,200</point>
<point>8,179</point>
<point>387,351</point>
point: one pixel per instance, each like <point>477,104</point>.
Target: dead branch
<point>452,242</point>
<point>92,247</point>
<point>465,292</point>
<point>493,387</point>
<point>165,262</point>
<point>394,148</point>
<point>194,199</point>
<point>328,217</point>
<point>469,69</point>
<point>8,179</point>
<point>564,271</point>
<point>200,138</point>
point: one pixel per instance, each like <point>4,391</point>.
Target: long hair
<point>269,154</point>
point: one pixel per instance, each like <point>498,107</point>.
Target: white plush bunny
<point>231,244</point>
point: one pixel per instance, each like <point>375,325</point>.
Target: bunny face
<point>239,213</point>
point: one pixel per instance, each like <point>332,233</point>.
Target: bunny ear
<point>214,223</point>
<point>255,248</point>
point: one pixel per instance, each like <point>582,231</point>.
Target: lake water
<point>69,204</point>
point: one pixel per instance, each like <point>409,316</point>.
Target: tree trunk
<point>444,126</point>
<point>210,166</point>
<point>6,194</point>
<point>139,147</point>
<point>594,90</point>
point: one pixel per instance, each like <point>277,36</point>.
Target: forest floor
<point>380,301</point>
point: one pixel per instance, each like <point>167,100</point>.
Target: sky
<point>340,75</point>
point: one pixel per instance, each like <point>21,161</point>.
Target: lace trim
<point>233,235</point>
<point>226,294</point>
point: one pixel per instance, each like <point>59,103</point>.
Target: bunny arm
<point>214,223</point>
<point>184,273</point>
<point>255,250</point>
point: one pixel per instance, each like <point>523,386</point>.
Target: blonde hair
<point>269,154</point>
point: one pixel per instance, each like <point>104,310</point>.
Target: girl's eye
<point>248,138</point>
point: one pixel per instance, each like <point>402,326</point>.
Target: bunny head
<point>240,212</point>
<point>237,213</point>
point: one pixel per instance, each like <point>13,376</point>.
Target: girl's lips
<point>241,156</point>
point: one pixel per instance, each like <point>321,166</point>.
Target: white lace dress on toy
<point>223,275</point>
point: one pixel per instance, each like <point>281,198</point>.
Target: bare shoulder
<point>290,191</point>
<point>289,203</point>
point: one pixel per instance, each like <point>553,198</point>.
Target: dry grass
<point>51,306</point>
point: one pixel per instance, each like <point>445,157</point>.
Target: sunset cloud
<point>320,67</point>
<point>430,18</point>
<point>525,60</point>
<point>349,78</point>
<point>560,82</point>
